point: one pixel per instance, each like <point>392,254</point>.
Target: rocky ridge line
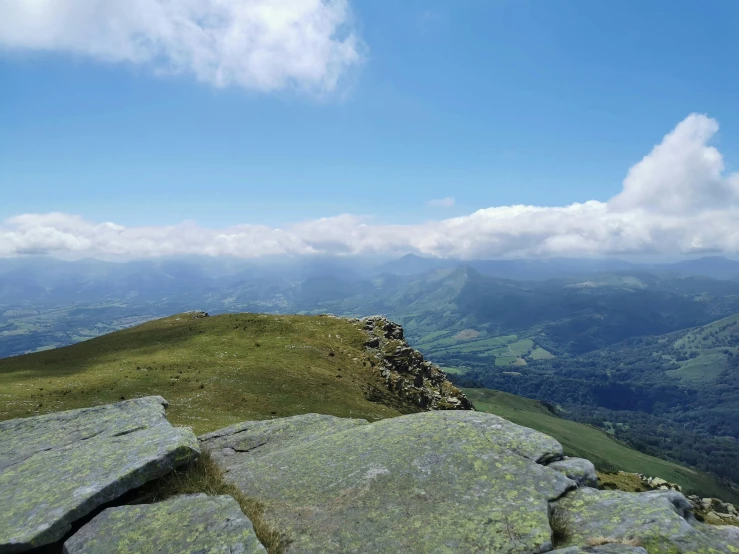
<point>404,369</point>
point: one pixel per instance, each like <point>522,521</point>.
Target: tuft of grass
<point>204,476</point>
<point>621,481</point>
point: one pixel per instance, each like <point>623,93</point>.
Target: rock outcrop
<point>57,468</point>
<point>579,470</point>
<point>452,481</point>
<point>660,521</point>
<point>709,510</point>
<point>715,511</point>
<point>405,371</point>
<point>436,481</point>
<point>445,481</point>
<point>192,523</point>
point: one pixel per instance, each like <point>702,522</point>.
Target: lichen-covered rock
<point>58,467</point>
<point>451,481</point>
<point>187,524</point>
<point>715,511</point>
<point>581,471</point>
<point>405,371</point>
<point>661,521</point>
<point>728,533</point>
<point>258,438</point>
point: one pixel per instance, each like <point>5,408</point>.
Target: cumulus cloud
<point>683,174</point>
<point>262,45</point>
<point>676,200</point>
<point>447,202</point>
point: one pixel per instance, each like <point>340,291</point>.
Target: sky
<point>474,128</point>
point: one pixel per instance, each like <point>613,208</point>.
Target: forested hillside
<point>674,395</point>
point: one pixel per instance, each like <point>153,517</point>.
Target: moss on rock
<point>661,521</point>
<point>187,524</point>
<point>57,468</point>
<point>455,481</point>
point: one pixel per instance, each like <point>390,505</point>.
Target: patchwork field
<point>500,351</point>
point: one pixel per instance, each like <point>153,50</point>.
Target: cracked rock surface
<point>187,524</point>
<point>449,481</point>
<point>660,521</point>
<point>57,468</point>
<point>445,482</point>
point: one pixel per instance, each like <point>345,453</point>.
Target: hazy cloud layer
<point>677,199</point>
<point>447,202</point>
<point>263,45</point>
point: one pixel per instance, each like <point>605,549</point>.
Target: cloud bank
<point>677,200</point>
<point>262,45</point>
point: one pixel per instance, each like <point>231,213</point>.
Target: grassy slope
<point>214,371</point>
<point>712,343</point>
<point>593,444</point>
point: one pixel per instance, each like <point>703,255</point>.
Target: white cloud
<point>677,200</point>
<point>447,202</point>
<point>682,174</point>
<point>262,45</point>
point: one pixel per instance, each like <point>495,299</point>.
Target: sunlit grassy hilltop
<point>214,371</point>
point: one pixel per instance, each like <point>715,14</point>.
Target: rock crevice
<point>57,468</point>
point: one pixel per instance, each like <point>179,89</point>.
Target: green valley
<point>584,441</point>
<point>675,396</point>
<point>502,351</point>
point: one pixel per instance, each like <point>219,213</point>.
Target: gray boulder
<point>187,524</point>
<point>57,468</point>
<point>453,481</point>
<point>258,438</point>
<point>661,521</point>
<point>581,471</point>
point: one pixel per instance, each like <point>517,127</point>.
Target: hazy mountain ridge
<point>573,314</point>
<point>569,340</point>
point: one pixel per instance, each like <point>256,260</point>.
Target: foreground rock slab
<point>186,524</point>
<point>57,468</point>
<point>660,521</point>
<point>452,481</point>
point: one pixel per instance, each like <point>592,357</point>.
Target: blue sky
<point>491,103</point>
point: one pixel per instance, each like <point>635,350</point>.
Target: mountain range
<point>646,352</point>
